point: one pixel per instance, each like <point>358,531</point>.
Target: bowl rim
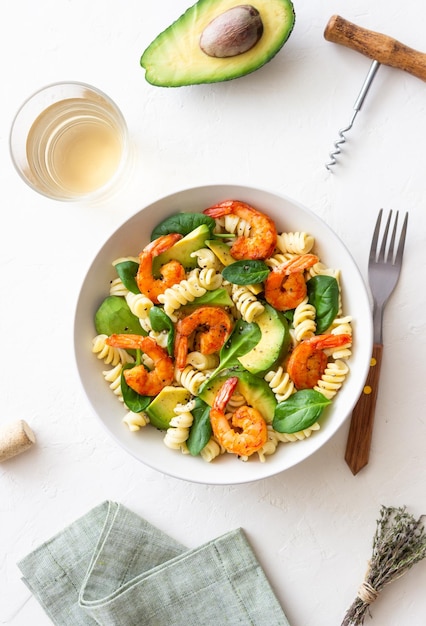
<point>267,469</point>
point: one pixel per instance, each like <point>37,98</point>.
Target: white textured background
<point>311,526</point>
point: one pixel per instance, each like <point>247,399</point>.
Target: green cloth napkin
<point>112,567</point>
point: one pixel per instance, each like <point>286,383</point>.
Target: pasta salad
<point>225,334</point>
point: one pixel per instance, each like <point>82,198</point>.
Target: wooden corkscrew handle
<point>377,46</point>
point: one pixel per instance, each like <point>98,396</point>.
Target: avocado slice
<point>221,250</point>
<point>182,249</point>
<point>273,344</point>
<point>216,297</point>
<point>255,390</point>
<point>161,409</point>
<point>175,57</point>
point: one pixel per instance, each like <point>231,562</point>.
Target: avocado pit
<point>233,32</point>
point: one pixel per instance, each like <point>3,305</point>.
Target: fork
<point>384,268</point>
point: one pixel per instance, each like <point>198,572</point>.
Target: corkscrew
<point>383,50</point>
<point>356,108</point>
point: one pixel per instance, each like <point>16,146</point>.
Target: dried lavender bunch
<point>399,543</point>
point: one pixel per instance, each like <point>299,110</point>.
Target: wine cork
<point>15,438</point>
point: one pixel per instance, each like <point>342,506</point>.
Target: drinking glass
<point>69,141</point>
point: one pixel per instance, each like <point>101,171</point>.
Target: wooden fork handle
<point>377,46</point>
<point>361,428</point>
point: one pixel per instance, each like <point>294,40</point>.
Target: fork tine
<point>382,253</point>
<point>390,254</point>
<point>375,239</point>
<point>400,250</point>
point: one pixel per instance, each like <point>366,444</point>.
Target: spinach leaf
<point>299,411</point>
<point>323,294</point>
<point>159,322</point>
<point>182,223</point>
<point>133,400</point>
<point>289,315</point>
<point>127,271</point>
<point>243,338</point>
<point>114,316</point>
<point>201,429</point>
<point>246,272</point>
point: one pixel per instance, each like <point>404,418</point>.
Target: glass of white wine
<point>69,141</point>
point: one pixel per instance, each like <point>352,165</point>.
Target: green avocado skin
<point>174,58</point>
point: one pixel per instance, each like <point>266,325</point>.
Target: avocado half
<point>175,59</point>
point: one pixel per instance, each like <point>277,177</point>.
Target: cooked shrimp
<point>171,273</point>
<point>263,234</point>
<point>251,433</point>
<point>214,326</point>
<point>285,286</point>
<point>141,380</point>
<point>308,360</point>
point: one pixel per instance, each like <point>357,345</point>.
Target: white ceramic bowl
<point>147,444</point>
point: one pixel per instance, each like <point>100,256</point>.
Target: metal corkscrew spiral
<point>357,106</point>
<point>338,143</point>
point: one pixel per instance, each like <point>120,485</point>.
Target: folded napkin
<point>112,567</point>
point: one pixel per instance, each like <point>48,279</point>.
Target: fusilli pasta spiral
<point>332,379</point>
<point>246,303</point>
<point>190,378</point>
<point>202,361</point>
<point>206,258</point>
<point>278,259</point>
<point>319,269</point>
<point>207,277</point>
<point>180,294</point>
<point>280,383</point>
<point>295,243</point>
<point>270,446</point>
<point>109,355</point>
<point>117,288</point>
<point>304,320</point>
<point>178,431</point>
<point>135,421</point>
<point>299,436</point>
<point>234,225</point>
<point>113,376</point>
<point>340,326</point>
<point>275,438</point>
<point>140,306</point>
<point>211,450</point>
